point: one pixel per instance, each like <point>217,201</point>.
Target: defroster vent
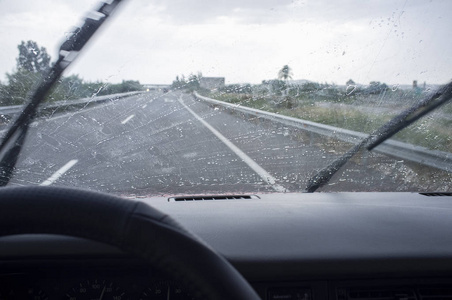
<point>219,197</point>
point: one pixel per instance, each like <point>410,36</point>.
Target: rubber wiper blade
<point>404,119</point>
<point>14,138</point>
<point>411,115</point>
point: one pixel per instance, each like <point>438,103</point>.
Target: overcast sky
<point>244,40</point>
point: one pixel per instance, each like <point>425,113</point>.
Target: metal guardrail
<point>15,109</point>
<point>10,110</point>
<point>433,158</point>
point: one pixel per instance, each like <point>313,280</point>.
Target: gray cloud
<point>195,12</point>
<point>277,11</point>
<point>152,41</point>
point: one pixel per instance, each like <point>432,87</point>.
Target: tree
<point>285,73</point>
<point>190,84</point>
<point>193,82</point>
<point>376,87</point>
<point>178,83</point>
<point>310,87</point>
<point>31,64</point>
<point>3,95</point>
<point>236,88</point>
<point>123,87</point>
<point>19,85</point>
<point>68,88</point>
<point>32,58</point>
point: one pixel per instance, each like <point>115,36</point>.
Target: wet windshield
<point>175,97</point>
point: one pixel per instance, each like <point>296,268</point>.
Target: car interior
<point>285,246</point>
<point>67,242</point>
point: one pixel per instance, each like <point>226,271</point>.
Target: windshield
<point>230,97</point>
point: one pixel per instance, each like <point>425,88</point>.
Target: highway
<point>170,144</point>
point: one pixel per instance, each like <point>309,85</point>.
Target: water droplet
<point>395,87</point>
<point>350,89</point>
<point>68,34</point>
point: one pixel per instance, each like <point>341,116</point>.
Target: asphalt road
<point>171,144</point>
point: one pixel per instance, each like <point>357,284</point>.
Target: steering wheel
<point>131,226</point>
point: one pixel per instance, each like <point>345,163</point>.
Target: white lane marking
<point>144,106</point>
<point>60,172</point>
<point>127,119</point>
<point>248,160</point>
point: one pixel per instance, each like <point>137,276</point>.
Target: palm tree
<point>285,73</point>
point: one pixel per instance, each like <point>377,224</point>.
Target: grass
<point>432,133</point>
<point>343,118</point>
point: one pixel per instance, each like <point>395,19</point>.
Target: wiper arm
<point>15,136</point>
<point>377,137</point>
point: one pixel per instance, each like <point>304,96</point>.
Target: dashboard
<point>288,246</point>
<point>87,279</point>
<point>129,279</point>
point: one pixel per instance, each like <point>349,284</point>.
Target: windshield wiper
<point>15,136</point>
<point>377,137</point>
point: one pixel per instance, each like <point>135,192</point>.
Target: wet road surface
<point>172,144</point>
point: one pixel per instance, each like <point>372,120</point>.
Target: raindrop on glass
<point>350,89</point>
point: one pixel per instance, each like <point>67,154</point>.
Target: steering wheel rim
<point>133,227</point>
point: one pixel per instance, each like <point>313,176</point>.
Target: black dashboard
<point>305,246</point>
<point>87,279</point>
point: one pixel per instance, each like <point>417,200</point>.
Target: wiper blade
<point>15,136</point>
<point>404,119</point>
<point>411,115</point>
